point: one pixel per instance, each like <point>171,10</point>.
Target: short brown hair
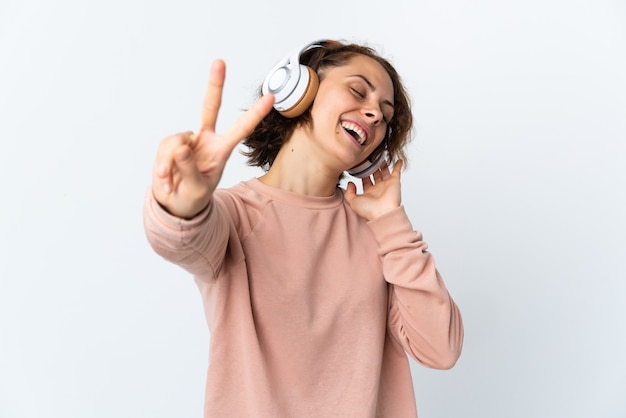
<point>274,130</point>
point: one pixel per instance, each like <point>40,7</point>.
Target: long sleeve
<point>198,245</point>
<point>301,322</point>
<point>423,317</point>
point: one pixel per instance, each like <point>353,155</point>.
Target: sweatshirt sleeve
<point>198,245</point>
<point>423,317</point>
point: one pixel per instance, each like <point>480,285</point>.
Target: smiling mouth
<point>355,131</point>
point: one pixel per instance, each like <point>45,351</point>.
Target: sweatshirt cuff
<point>163,217</point>
<point>394,224</point>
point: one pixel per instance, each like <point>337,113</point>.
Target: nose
<point>373,114</point>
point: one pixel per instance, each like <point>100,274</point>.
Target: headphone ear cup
<point>306,98</point>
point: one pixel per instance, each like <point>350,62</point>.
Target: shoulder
<point>242,204</point>
<point>241,195</point>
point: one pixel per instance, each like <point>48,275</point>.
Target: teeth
<point>356,129</point>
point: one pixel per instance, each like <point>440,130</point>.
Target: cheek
<point>323,112</point>
<point>332,99</point>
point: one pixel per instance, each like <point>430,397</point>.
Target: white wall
<point>517,181</point>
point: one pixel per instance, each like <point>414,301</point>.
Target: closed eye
<point>358,93</point>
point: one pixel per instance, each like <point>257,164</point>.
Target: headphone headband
<point>367,167</point>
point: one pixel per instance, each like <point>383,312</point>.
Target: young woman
<point>314,295</point>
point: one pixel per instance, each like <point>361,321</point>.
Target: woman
<point>314,295</point>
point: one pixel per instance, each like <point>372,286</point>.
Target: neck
<point>298,169</point>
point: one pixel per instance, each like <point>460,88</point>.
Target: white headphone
<point>367,167</point>
<point>294,87</point>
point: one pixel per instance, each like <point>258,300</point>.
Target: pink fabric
<point>311,308</point>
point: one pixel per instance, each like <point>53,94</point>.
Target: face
<point>351,111</point>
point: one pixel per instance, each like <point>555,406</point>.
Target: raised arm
<point>180,222</point>
<point>423,317</point>
<point>188,165</point>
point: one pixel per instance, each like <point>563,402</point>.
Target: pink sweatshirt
<point>311,308</point>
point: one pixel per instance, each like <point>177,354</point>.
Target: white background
<point>517,179</point>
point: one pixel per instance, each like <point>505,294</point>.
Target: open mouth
<point>355,131</point>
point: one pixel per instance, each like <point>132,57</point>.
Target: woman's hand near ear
<point>379,196</point>
<point>188,165</point>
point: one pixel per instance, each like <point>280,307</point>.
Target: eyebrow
<point>373,88</point>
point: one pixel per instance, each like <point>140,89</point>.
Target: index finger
<point>213,96</point>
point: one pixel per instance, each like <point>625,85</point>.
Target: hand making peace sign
<point>188,166</point>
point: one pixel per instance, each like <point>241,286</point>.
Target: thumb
<point>186,166</point>
<point>350,193</point>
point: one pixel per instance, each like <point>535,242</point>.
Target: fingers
<point>382,175</point>
<point>351,191</point>
<point>211,106</point>
<point>213,96</point>
<point>397,168</point>
<point>186,169</point>
<point>165,152</point>
<point>385,173</point>
<point>250,119</point>
<point>377,176</point>
<point>164,165</point>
